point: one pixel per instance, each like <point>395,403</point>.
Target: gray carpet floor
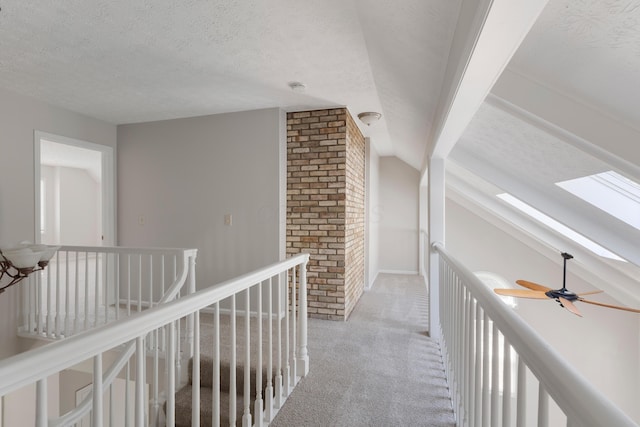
<point>379,368</point>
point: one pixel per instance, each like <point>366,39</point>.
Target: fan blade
<point>532,286</point>
<point>570,306</point>
<point>521,293</point>
<point>617,307</point>
<point>589,293</point>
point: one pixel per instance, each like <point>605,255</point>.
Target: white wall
<point>73,206</point>
<point>372,193</point>
<point>424,230</point>
<point>178,178</point>
<point>19,117</point>
<point>398,216</point>
<point>20,406</point>
<point>603,345</point>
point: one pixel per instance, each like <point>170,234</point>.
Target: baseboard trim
<point>371,282</point>
<point>207,310</point>
<point>406,272</point>
<point>242,313</point>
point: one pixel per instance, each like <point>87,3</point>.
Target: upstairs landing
<point>379,368</point>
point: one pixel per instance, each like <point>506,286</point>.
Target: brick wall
<point>318,143</point>
<point>354,218</point>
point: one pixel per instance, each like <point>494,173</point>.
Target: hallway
<point>377,369</point>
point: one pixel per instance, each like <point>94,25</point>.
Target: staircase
<point>150,347</point>
<point>226,416</point>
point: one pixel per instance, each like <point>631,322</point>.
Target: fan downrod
<point>563,293</point>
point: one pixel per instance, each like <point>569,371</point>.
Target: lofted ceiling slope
<point>125,62</point>
<point>566,107</point>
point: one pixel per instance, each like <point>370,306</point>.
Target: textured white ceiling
<point>130,61</point>
<point>589,50</point>
<point>523,150</point>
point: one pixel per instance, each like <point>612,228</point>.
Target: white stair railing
<point>86,286</point>
<point>144,373</point>
<point>483,339</point>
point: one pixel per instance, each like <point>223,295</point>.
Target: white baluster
<point>76,325</point>
<point>279,401</point>
<point>246,416</point>
<point>39,310</point>
<point>216,366</point>
<point>506,385</point>
<point>303,356</point>
<point>127,398</point>
<point>294,321</point>
<point>140,382</point>
<point>286,374</point>
<point>97,391</point>
<point>495,376</point>
<point>543,406</point>
<point>41,403</point>
<point>58,299</point>
<point>466,384</point>
<point>171,376</point>
<point>50,300</point>
<point>234,363</point>
<point>195,375</point>
<point>477,418</point>
<point>112,414</point>
<point>258,404</point>
<point>28,303</point>
<point>150,281</point>
<point>67,296</point>
<point>128,285</point>
<point>86,291</point>
<point>96,290</point>
<point>162,280</point>
<point>269,390</point>
<point>192,289</point>
<point>105,289</point>
<point>139,283</point>
<point>156,379</point>
<point>522,395</point>
<point>485,372</point>
<point>117,285</point>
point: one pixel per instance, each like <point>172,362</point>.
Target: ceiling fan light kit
<point>563,296</point>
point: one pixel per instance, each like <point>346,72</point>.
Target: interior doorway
<point>73,192</point>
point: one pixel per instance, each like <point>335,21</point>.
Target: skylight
<point>556,226</point>
<point>613,193</point>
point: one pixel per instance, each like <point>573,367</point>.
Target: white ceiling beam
<point>487,35</point>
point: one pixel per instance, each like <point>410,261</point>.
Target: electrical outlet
<point>228,219</point>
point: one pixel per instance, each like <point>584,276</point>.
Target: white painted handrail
<point>86,286</point>
<point>184,267</point>
<point>36,365</point>
<point>582,404</point>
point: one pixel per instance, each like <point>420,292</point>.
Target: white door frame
<point>108,182</point>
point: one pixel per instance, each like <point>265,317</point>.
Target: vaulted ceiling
<point>123,61</point>
<point>561,73</point>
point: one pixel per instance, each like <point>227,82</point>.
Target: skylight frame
<point>610,192</point>
<point>558,227</point>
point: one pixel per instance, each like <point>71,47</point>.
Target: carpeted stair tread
<point>183,407</point>
<point>206,375</point>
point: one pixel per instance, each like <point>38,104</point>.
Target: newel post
<point>302,356</point>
